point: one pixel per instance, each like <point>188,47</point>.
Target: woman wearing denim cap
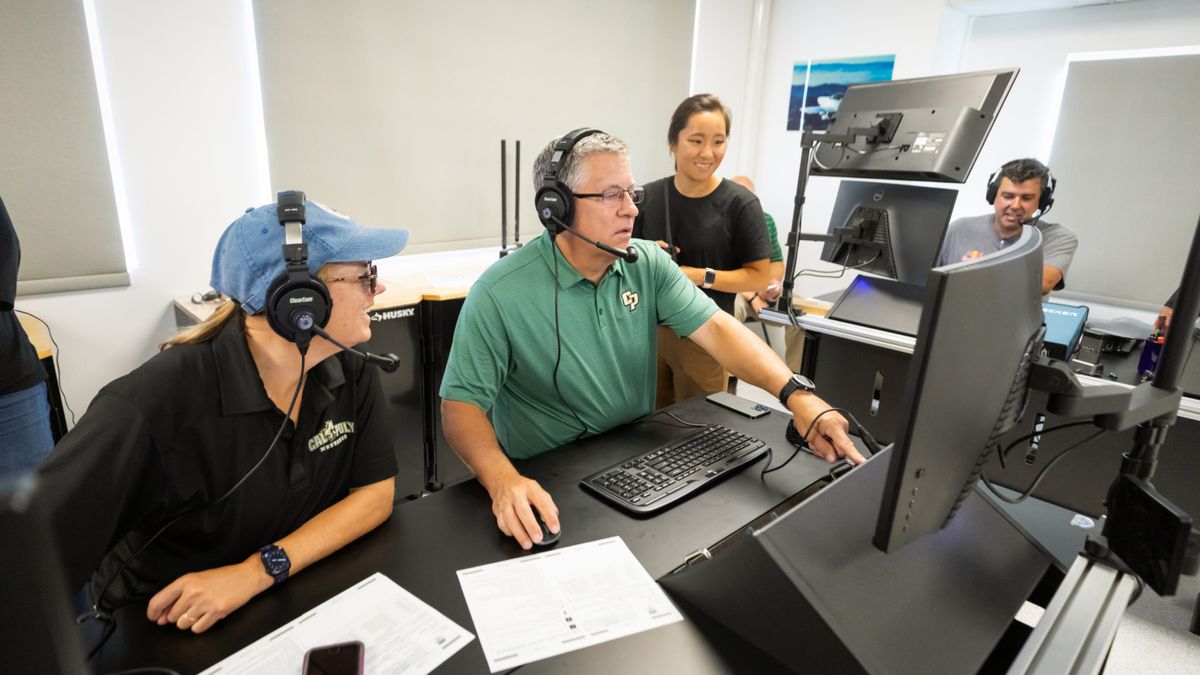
<point>165,446</point>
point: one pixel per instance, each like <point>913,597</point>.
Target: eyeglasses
<point>612,196</point>
<point>372,277</point>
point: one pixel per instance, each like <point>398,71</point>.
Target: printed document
<point>561,600</point>
<point>401,634</point>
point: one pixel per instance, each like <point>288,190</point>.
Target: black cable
<point>57,362</point>
<point>1002,456</point>
<point>649,418</point>
<point>1041,474</point>
<point>804,439</point>
<point>558,346</point>
<point>105,617</point>
<point>835,274</point>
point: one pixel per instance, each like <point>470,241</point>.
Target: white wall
<point>184,109</point>
<point>721,60</point>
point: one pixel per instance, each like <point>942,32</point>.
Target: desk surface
<point>38,335</point>
<point>427,540</point>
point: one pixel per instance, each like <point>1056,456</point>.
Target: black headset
<point>296,300</point>
<point>1045,198</point>
<point>554,200</point>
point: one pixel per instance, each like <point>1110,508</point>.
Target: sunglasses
<point>371,277</point>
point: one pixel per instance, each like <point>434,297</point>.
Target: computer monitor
<point>889,229</point>
<point>40,634</point>
<point>932,127</point>
<point>980,330</point>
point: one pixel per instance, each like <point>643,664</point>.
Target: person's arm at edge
<point>1051,276</point>
<point>752,276</point>
<point>210,595</point>
<point>750,359</point>
<point>473,438</point>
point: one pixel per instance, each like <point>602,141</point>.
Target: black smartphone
<point>345,658</point>
<point>738,404</point>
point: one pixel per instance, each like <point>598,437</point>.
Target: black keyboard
<point>654,480</point>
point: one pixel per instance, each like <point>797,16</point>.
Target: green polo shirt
<point>773,233</point>
<point>505,346</point>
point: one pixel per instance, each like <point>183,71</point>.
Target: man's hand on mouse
<point>513,500</point>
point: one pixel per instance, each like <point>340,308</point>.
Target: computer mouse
<point>548,538</point>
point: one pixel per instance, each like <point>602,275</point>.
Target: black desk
<point>427,540</point>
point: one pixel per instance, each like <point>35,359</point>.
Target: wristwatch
<point>710,277</point>
<point>795,382</point>
<point>276,561</point>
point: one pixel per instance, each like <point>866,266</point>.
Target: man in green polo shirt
<point>558,340</point>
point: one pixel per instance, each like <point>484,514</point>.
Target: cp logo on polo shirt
<point>630,300</point>
<point>330,436</point>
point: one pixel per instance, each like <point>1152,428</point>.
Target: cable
<point>1041,474</point>
<point>649,418</point>
<point>1002,456</point>
<point>812,425</point>
<point>558,346</point>
<point>57,362</point>
<point>835,274</point>
<point>105,617</point>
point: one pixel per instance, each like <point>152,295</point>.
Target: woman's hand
<point>197,600</point>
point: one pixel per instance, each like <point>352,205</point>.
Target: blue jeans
<point>25,437</point>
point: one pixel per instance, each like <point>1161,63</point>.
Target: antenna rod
<point>517,196</point>
<point>503,194</point>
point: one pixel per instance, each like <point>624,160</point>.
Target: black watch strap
<point>795,382</point>
<point>275,560</point>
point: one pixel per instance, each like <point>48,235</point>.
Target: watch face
<point>276,561</point>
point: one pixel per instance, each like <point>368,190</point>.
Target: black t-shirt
<point>19,366</point>
<point>180,431</point>
<point>723,230</point>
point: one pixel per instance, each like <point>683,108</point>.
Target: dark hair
<point>690,106</point>
<point>1021,170</point>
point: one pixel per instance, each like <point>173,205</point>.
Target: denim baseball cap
<point>250,253</point>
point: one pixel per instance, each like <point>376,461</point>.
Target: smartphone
<point>738,404</point>
<point>345,658</point>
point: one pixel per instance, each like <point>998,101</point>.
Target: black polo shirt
<point>181,430</point>
<point>19,365</point>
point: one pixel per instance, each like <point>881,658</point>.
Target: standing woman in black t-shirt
<point>25,436</point>
<point>717,231</point>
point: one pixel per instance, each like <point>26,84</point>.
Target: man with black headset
<point>557,340</point>
<point>1021,192</point>
<point>250,458</point>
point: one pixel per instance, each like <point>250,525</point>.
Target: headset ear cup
<point>992,186</point>
<point>553,201</point>
<point>1047,198</point>
<point>286,296</point>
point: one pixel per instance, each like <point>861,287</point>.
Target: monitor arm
<point>883,130</point>
<point>1111,407</point>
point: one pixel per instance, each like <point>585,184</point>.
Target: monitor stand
<point>881,303</point>
<point>811,590</point>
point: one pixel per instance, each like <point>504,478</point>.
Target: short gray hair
<point>571,170</point>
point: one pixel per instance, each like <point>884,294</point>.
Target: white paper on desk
<point>550,603</point>
<point>401,633</point>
